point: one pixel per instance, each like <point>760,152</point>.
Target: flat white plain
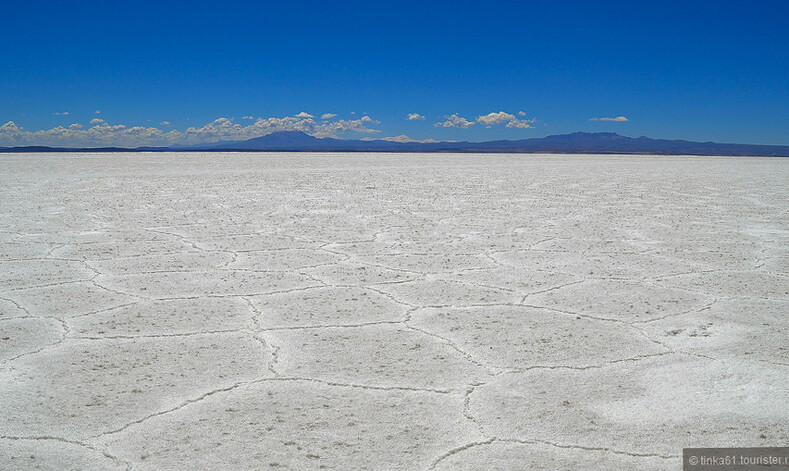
<point>390,311</point>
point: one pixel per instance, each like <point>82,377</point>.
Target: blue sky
<point>148,72</point>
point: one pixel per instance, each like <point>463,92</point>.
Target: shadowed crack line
<point>96,271</point>
<point>387,283</point>
<point>569,313</point>
<point>140,255</point>
<point>487,254</point>
<point>121,293</point>
<point>179,237</point>
<point>770,362</point>
<point>329,326</point>
<point>246,270</point>
<point>233,259</point>
<point>110,258</point>
<point>554,288</point>
<point>452,345</point>
<point>173,409</point>
<point>646,335</point>
<point>155,336</point>
<point>367,263</point>
<point>467,406</point>
<point>37,351</point>
<point>18,306</point>
<point>274,349</point>
<point>658,278</point>
<point>42,259</point>
<point>677,314</point>
<point>102,311</point>
<point>586,448</point>
<point>457,450</point>
<point>255,313</point>
<point>226,295</point>
<point>362,386</point>
<point>469,305</point>
<point>48,285</point>
<point>104,435</point>
<point>56,247</point>
<point>587,367</point>
<point>382,293</point>
<point>107,454</point>
<point>449,278</point>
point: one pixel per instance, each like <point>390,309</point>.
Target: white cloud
<point>248,117</point>
<point>342,126</point>
<point>415,117</point>
<point>304,114</point>
<point>11,133</point>
<point>224,129</point>
<point>521,113</point>
<point>618,119</point>
<point>501,117</point>
<point>328,115</point>
<point>9,126</point>
<point>164,123</point>
<point>455,121</point>
<point>99,135</point>
<point>103,134</point>
<point>220,129</point>
<point>493,119</point>
<point>520,124</point>
<point>98,111</point>
<point>400,138</point>
<point>64,113</point>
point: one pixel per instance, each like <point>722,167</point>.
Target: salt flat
<point>390,311</point>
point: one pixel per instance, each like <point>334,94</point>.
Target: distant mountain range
<point>575,143</point>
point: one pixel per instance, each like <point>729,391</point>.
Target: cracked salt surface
<point>398,311</point>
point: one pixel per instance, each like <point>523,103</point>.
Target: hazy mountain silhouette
<point>579,142</point>
<point>575,143</point>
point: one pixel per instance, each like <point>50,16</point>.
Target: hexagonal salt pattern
<point>298,425</point>
<point>397,311</point>
<point>169,317</point>
<point>654,406</point>
<point>525,337</point>
<point>326,306</point>
<point>23,336</point>
<point>749,328</point>
<point>29,454</point>
<point>509,454</point>
<point>621,300</point>
<point>83,388</point>
<point>376,355</point>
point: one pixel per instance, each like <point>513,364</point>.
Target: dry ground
<point>390,312</point>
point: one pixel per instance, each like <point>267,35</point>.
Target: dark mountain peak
<point>285,137</point>
<point>580,136</point>
<point>602,135</point>
<point>575,143</point>
<point>279,140</point>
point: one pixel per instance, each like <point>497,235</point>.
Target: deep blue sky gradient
<point>712,70</point>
